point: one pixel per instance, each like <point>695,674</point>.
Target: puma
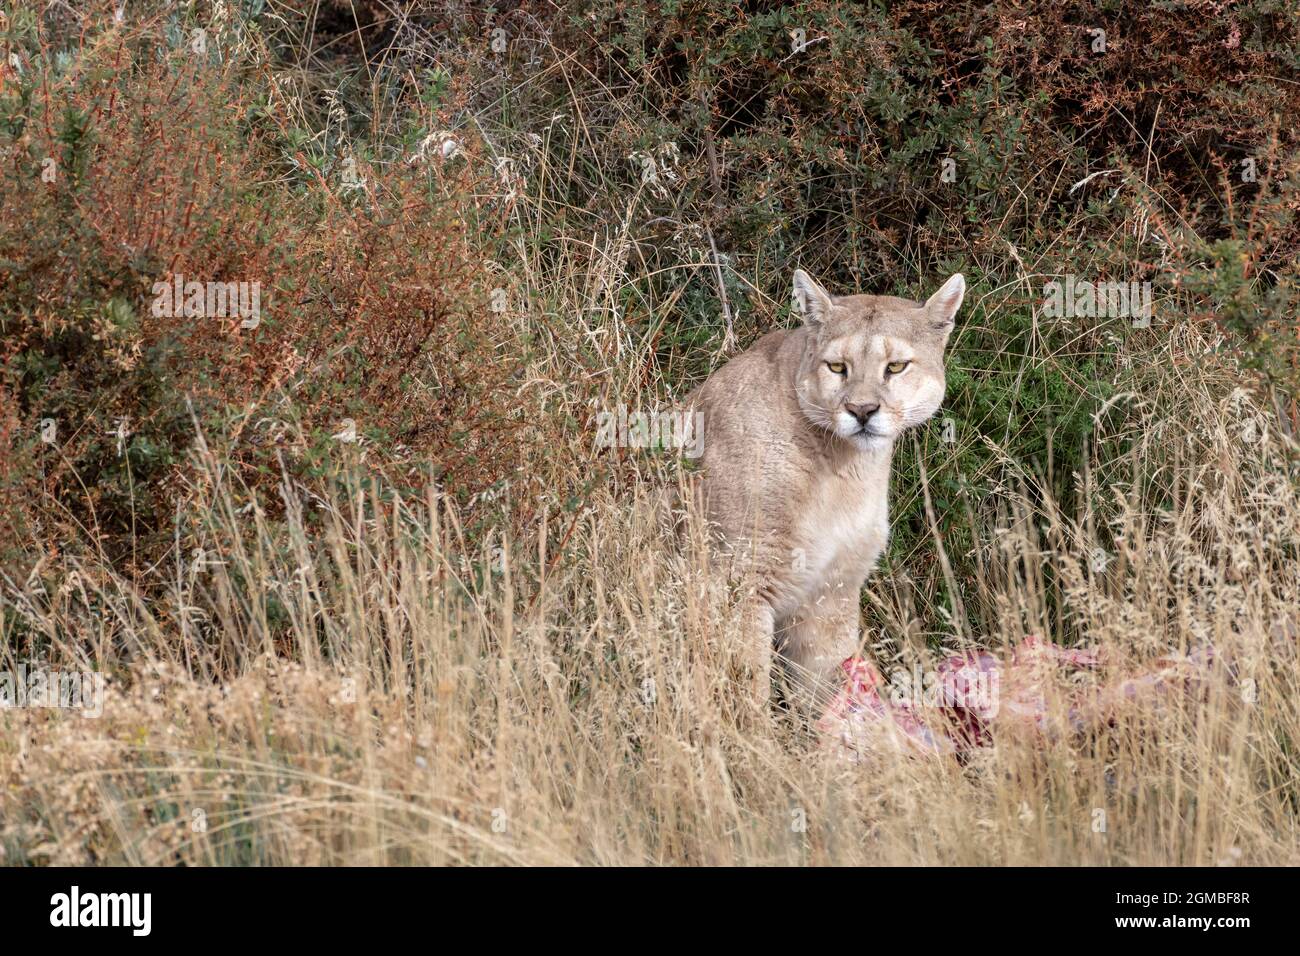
<point>798,435</point>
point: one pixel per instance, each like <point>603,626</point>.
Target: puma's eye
<point>839,368</point>
<point>893,368</point>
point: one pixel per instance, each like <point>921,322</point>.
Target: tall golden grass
<point>353,687</point>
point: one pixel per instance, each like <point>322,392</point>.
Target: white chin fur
<point>845,425</point>
<point>847,428</point>
<point>870,442</point>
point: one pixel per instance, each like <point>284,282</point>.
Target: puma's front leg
<point>815,641</point>
<point>756,665</point>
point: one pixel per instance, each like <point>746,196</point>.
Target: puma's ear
<point>813,301</point>
<point>941,308</point>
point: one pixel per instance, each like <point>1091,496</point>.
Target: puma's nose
<point>861,412</point>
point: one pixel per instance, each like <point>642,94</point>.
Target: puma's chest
<point>844,528</point>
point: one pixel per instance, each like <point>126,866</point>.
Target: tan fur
<point>796,485</point>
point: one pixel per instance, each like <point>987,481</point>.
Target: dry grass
<point>367,692</point>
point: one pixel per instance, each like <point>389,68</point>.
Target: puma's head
<point>873,365</point>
